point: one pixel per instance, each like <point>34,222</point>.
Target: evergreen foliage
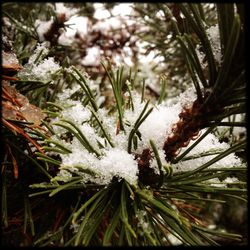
<point>95,155</point>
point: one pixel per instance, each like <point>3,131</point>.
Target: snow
<point>142,223</point>
<point>92,58</point>
<point>237,131</point>
<point>42,70</point>
<point>42,27</point>
<point>113,162</point>
<point>46,68</point>
<point>160,14</point>
<point>9,60</point>
<point>76,113</point>
<point>107,24</point>
<point>216,182</point>
<point>122,9</point>
<point>214,37</point>
<point>209,143</point>
<point>158,125</point>
<point>100,11</point>
<point>65,39</point>
<point>77,24</point>
<point>174,240</point>
<point>116,161</point>
<point>41,48</point>
<point>62,9</point>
